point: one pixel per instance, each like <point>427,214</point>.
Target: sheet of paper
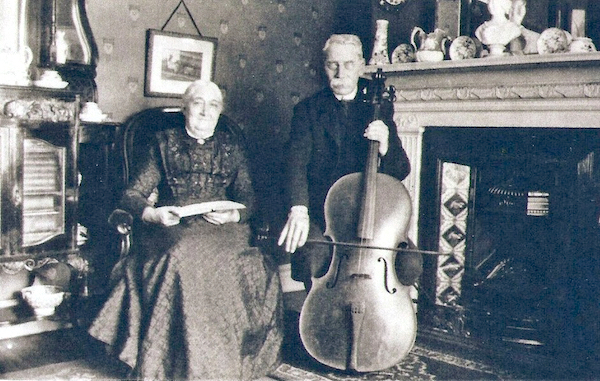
<point>210,206</point>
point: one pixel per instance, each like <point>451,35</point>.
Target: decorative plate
<point>553,40</point>
<point>391,4</point>
<point>51,84</point>
<point>403,53</point>
<point>462,48</point>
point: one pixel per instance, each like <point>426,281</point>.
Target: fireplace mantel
<point>550,93</point>
<point>555,90</point>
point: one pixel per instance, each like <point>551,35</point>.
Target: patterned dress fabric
<point>195,300</point>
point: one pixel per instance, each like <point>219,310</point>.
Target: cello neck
<point>366,221</point>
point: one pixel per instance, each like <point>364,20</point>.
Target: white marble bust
<point>497,32</point>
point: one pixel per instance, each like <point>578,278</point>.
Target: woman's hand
<point>164,215</point>
<point>222,217</point>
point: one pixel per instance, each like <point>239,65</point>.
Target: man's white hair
<point>344,39</point>
<point>200,86</point>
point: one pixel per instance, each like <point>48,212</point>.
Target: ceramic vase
<point>380,47</point>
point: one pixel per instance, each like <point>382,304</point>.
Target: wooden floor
<point>33,357</point>
<point>18,355</point>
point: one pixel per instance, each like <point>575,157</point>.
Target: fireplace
<point>505,179</point>
<point>520,205</point>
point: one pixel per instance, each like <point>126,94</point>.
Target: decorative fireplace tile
<point>453,227</point>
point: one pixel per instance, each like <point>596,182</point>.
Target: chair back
<point>138,130</point>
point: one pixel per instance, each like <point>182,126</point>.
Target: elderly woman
<point>194,300</point>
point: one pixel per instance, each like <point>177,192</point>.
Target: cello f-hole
<point>331,284</point>
<point>386,275</point>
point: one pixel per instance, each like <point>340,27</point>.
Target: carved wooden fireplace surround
<point>541,92</point>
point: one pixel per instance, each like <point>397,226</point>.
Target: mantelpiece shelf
<point>563,75</point>
<point>507,62</point>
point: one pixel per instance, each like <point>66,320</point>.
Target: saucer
<point>403,53</point>
<point>93,118</point>
<point>553,40</point>
<point>462,48</point>
<point>51,84</point>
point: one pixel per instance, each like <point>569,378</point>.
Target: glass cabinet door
<point>43,191</point>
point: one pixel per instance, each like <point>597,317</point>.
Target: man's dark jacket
<point>327,143</point>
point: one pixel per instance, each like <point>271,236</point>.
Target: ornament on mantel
<point>380,48</point>
<point>498,31</point>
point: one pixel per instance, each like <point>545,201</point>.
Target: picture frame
<point>174,60</point>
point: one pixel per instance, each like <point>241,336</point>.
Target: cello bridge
<point>360,276</point>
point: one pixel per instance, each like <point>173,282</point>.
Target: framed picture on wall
<point>174,60</point>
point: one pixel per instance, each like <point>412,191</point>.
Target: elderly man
<point>193,300</point>
<point>329,139</point>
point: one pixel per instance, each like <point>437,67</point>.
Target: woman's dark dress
<point>194,301</point>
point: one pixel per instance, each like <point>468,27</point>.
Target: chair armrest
<point>122,222</point>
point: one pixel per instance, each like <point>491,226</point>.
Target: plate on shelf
<point>462,48</point>
<point>51,84</point>
<point>553,40</point>
<point>403,53</point>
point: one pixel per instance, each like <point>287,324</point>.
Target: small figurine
<point>62,47</point>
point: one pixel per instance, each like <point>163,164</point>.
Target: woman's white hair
<point>201,86</point>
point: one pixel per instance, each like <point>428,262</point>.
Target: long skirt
<point>194,301</point>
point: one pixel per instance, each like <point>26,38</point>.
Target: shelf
<point>508,62</point>
<point>32,327</point>
<point>564,75</point>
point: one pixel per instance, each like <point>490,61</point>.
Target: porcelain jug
<point>431,47</point>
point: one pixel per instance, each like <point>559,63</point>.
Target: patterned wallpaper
<point>268,54</point>
<point>268,58</point>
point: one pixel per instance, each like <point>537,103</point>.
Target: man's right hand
<point>295,231</point>
<point>164,215</point>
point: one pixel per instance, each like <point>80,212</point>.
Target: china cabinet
<point>39,194</point>
<point>52,164</point>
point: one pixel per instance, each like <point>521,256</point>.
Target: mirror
<point>62,35</point>
<point>66,37</point>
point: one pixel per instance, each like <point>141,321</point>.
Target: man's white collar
<point>347,97</point>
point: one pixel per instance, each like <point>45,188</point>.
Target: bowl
<point>430,56</point>
<point>43,299</point>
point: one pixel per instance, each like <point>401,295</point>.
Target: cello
<point>358,316</point>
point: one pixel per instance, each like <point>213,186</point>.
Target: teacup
<point>430,55</point>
